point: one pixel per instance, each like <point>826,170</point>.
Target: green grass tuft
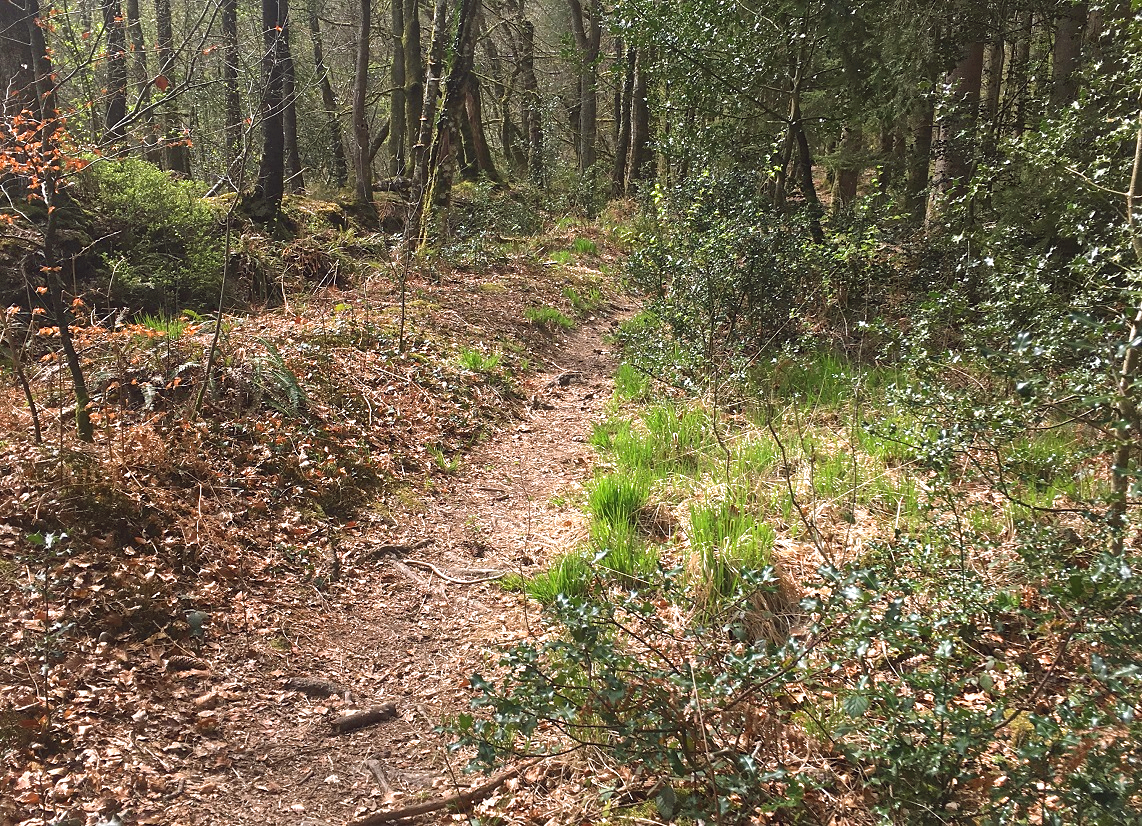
<point>547,317</point>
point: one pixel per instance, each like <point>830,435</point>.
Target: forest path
<point>393,631</point>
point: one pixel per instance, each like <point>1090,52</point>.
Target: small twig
<point>706,748</point>
<point>459,799</point>
<point>814,534</point>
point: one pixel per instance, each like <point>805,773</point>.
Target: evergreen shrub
<point>162,248</point>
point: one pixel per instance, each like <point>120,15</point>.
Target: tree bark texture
<point>532,114</point>
<point>427,117</point>
<point>481,158</point>
<point>141,76</point>
<point>24,61</point>
<point>176,153</point>
<point>414,74</point>
<point>849,169</point>
<point>445,144</point>
<point>1066,56</point>
<point>920,158</point>
<point>641,166</point>
<point>623,121</point>
<point>234,138</point>
<point>586,26</point>
<point>1020,74</point>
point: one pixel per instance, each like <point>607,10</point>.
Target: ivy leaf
<point>855,705</point>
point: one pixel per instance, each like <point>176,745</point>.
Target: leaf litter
<point>167,587</point>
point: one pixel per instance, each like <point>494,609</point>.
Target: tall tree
<point>142,81</point>
<point>340,169</point>
<point>437,169</point>
<point>265,202</point>
<point>641,165</point>
<point>955,141</point>
<point>1067,54</point>
<point>587,27</point>
<point>176,152</point>
<point>295,180</point>
<point>423,141</point>
<point>481,161</point>
<point>362,159</point>
<point>623,122</point>
<point>532,114</point>
<point>413,73</point>
<point>398,131</point>
<point>234,135</point>
<point>117,72</point>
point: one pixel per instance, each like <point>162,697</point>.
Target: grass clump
<point>727,539</point>
<point>547,317</point>
<point>622,554</point>
<point>477,362</point>
<point>616,499</point>
<point>570,578</point>
<point>631,385</point>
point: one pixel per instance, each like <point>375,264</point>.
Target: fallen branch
<point>428,565</point>
<point>363,719</point>
<point>460,799</point>
<point>315,687</point>
<point>378,769</point>
<point>399,550</point>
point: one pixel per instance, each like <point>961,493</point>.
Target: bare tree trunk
<point>328,99</point>
<point>1019,74</point>
<point>481,157</point>
<point>954,143</point>
<point>532,109</point>
<point>920,160</point>
<point>623,121</point>
<point>588,38</point>
<point>850,169</point>
<point>808,188</point>
<point>295,180</point>
<point>265,202</point>
<point>1129,422</point>
<point>142,80</point>
<point>442,163</point>
<point>398,131</point>
<point>19,58</point>
<point>176,153</point>
<point>234,148</point>
<point>502,88</point>
<point>431,92</point>
<point>362,167</point>
<point>113,132</point>
<point>992,82</point>
<point>1067,55</point>
<point>414,74</point>
<point>640,167</point>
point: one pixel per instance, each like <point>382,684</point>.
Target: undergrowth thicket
<point>852,542</point>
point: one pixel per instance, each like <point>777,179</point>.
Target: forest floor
<point>138,687</point>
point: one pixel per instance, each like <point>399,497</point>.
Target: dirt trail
<point>391,629</point>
